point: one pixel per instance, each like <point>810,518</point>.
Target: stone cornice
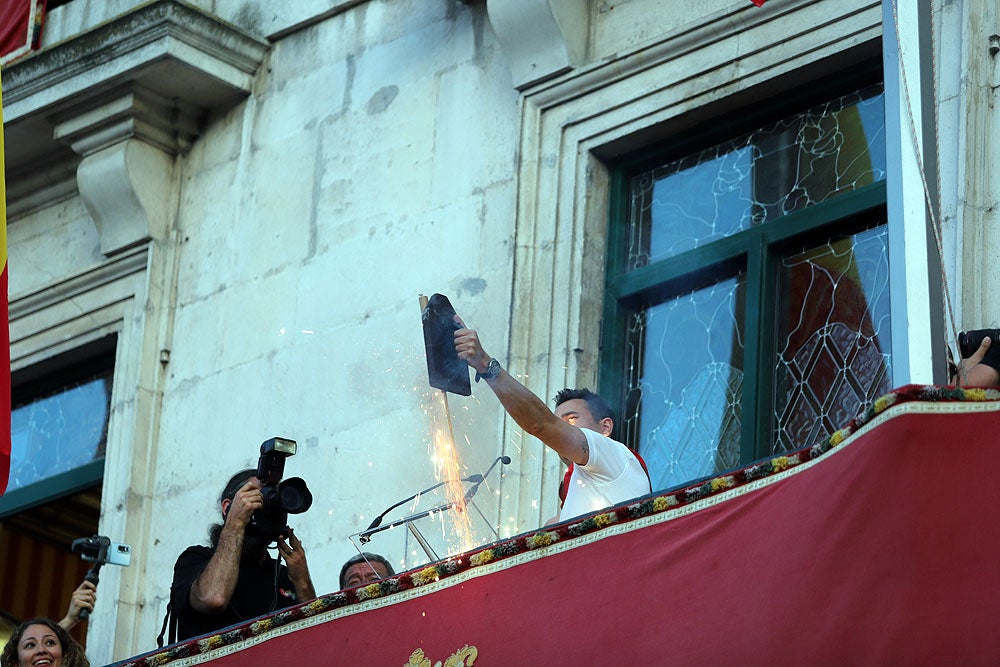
<point>123,48</point>
<point>697,37</point>
<point>173,52</point>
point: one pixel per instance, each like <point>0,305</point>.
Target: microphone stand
<point>477,479</point>
<point>365,535</point>
<point>375,527</point>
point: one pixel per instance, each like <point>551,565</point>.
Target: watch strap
<point>491,372</point>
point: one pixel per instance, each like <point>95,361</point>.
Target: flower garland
<point>525,543</point>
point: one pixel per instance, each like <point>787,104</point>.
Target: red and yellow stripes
<point>4,326</point>
<point>37,578</point>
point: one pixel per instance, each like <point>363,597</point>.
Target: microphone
<point>365,536</point>
<point>475,479</point>
<point>500,459</point>
<point>475,487</point>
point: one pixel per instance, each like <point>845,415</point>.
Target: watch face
<point>493,369</point>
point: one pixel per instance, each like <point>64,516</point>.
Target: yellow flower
<point>373,590</point>
<point>603,520</point>
<point>780,463</point>
<point>975,394</point>
<point>482,558</point>
<point>160,659</point>
<point>659,504</point>
<point>541,540</point>
<point>837,438</point>
<point>210,642</point>
<point>426,576</point>
<point>883,402</point>
<point>720,483</point>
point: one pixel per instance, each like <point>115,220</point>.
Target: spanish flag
<point>4,325</point>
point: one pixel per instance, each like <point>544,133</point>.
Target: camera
<point>969,341</point>
<point>100,549</point>
<point>281,498</point>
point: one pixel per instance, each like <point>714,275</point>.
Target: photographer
<point>236,579</point>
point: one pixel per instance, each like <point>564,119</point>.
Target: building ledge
<point>184,65</point>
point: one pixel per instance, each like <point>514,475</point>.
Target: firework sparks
<point>445,456</point>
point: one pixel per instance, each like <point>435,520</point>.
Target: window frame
<point>41,380</point>
<point>757,250</point>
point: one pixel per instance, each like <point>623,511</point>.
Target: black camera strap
<point>172,620</point>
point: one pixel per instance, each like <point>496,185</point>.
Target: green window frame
<point>753,257</point>
<point>52,384</point>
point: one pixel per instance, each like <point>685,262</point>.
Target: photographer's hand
<point>973,373</point>
<point>247,500</point>
<point>84,597</point>
<point>298,569</point>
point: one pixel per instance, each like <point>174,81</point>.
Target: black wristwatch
<point>491,371</point>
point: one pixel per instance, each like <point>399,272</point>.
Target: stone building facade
<point>229,208</point>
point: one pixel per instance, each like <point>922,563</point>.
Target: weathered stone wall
<point>374,162</point>
<point>386,149</point>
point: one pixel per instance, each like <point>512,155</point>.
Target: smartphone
<point>120,554</point>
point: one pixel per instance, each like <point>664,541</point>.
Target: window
<point>59,426</point>
<point>59,421</point>
<point>59,432</point>
<point>747,302</point>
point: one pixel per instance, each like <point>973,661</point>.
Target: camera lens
<point>294,496</point>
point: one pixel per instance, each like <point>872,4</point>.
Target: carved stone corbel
<point>119,103</point>
<point>126,188</point>
<point>542,38</point>
<point>128,143</point>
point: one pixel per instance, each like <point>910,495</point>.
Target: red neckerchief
<point>564,485</point>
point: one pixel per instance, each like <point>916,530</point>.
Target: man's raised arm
<point>529,411</point>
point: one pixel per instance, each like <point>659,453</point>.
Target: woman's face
<point>39,647</point>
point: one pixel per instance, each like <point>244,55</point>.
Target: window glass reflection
<point>59,432</point>
<point>834,352</point>
<point>686,382</point>
<point>759,177</point>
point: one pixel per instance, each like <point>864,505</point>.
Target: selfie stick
<point>93,574</point>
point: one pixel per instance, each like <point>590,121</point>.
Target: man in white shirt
<point>604,472</point>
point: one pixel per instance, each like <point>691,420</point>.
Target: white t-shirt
<point>612,475</point>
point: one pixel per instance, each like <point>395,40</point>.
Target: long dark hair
<point>234,484</point>
<point>72,653</point>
